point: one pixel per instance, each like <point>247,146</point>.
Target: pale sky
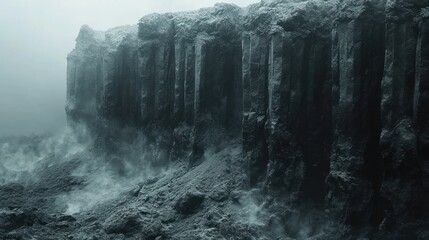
<point>35,38</point>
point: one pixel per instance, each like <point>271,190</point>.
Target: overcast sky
<point>35,38</point>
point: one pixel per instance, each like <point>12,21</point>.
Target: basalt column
<point>158,76</point>
<point>157,59</point>
<point>255,93</point>
<point>402,175</point>
<point>357,64</point>
<point>299,114</point>
<point>128,83</point>
<point>217,104</point>
<point>421,103</point>
<point>404,119</point>
<point>84,79</point>
<point>189,83</point>
<point>179,85</point>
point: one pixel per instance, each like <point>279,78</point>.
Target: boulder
<point>189,202</point>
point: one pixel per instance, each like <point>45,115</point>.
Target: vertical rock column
<point>128,84</point>
<point>299,114</point>
<point>421,103</point>
<point>147,69</point>
<point>163,84</point>
<point>189,83</point>
<point>201,82</point>
<point>202,46</point>
<point>84,79</point>
<point>110,89</point>
<point>184,98</point>
<point>109,95</point>
<point>255,73</point>
<point>311,112</point>
<point>421,97</point>
<point>216,102</point>
<point>118,105</point>
<point>158,69</point>
<point>398,141</point>
<point>237,93</point>
<point>215,78</point>
<point>158,77</point>
<point>179,85</point>
<point>357,64</point>
<point>285,169</point>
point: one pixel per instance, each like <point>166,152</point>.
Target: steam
<point>21,156</point>
<point>276,219</point>
<point>253,210</point>
<point>105,175</point>
<point>16,163</point>
<point>109,176</point>
<point>102,186</point>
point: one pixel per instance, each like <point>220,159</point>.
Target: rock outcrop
<point>330,98</point>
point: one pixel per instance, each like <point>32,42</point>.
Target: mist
<point>36,37</point>
<point>288,119</point>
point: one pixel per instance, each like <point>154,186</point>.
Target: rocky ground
<point>74,191</point>
<point>76,194</point>
<point>301,119</point>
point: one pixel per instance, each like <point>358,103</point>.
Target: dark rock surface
<point>329,96</point>
<point>288,119</point>
<point>189,202</point>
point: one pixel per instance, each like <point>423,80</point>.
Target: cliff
<point>329,98</point>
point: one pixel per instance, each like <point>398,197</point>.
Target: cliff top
<point>90,40</point>
<point>291,15</point>
<point>299,17</point>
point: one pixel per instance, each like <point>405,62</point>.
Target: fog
<point>36,37</point>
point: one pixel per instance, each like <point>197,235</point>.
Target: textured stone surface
<point>189,202</point>
<point>123,222</point>
<point>355,161</point>
<point>329,98</point>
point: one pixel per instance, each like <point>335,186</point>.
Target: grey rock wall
<point>330,98</point>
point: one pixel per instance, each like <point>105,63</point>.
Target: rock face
<point>330,98</point>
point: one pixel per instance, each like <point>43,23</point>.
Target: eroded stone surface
<point>329,98</point>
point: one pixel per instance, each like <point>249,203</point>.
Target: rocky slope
<point>328,99</point>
